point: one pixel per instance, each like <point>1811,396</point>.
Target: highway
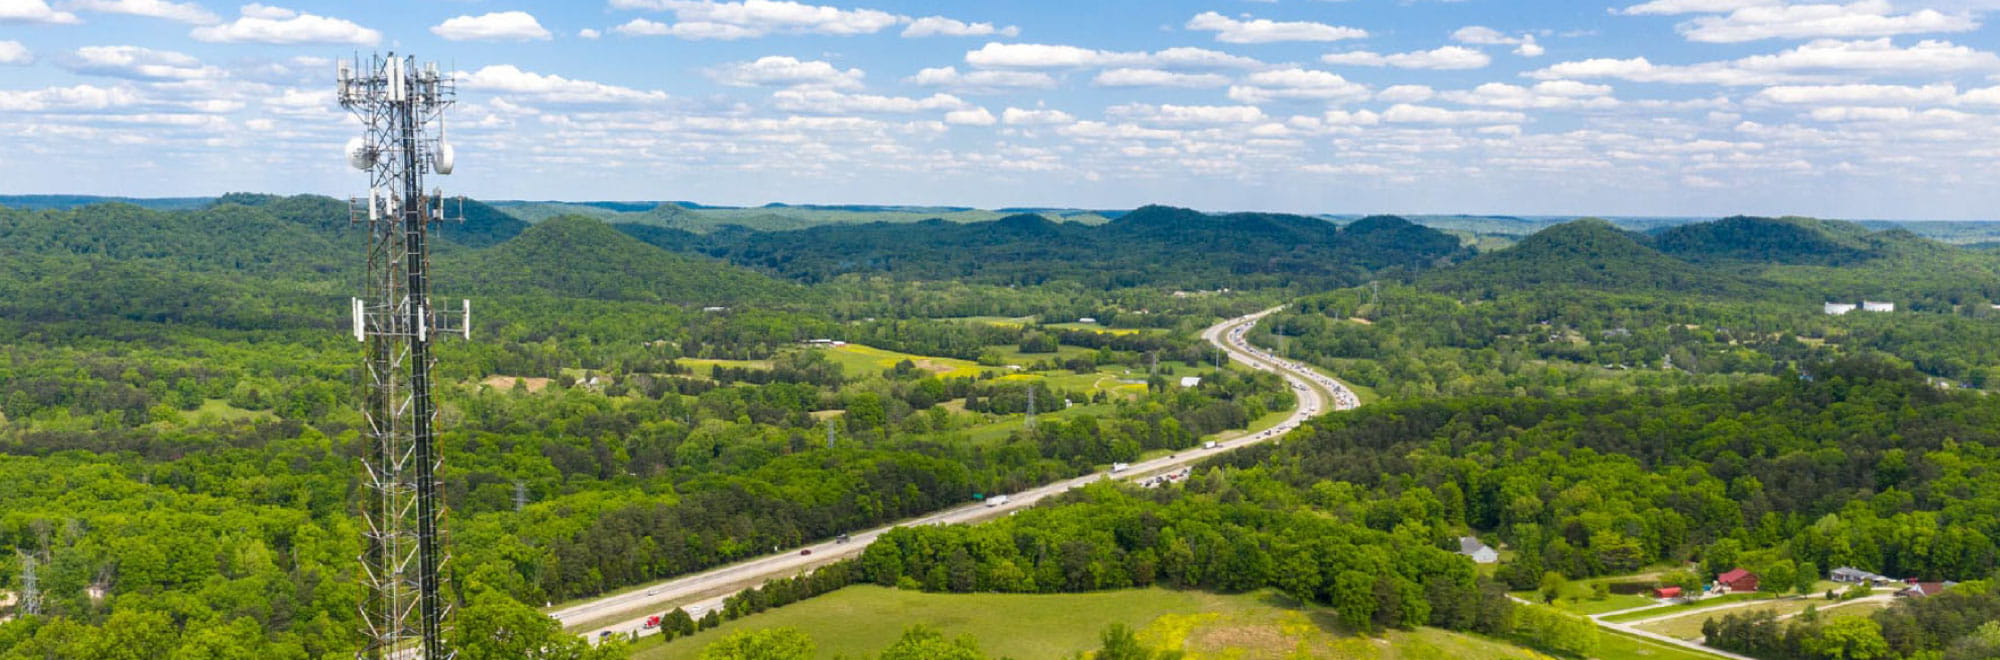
<point>626,612</point>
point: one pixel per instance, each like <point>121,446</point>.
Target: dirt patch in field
<point>507,382</point>
<point>1361,321</point>
<point>1250,640</point>
<point>933,366</point>
<point>826,414</point>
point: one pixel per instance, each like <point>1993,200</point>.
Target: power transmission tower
<point>1031,406</point>
<point>829,433</point>
<point>520,495</point>
<point>401,109</point>
<point>31,587</point>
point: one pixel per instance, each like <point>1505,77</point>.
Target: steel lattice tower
<point>399,105</point>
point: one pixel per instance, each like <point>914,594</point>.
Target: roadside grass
<point>1614,645</point>
<point>1687,607</point>
<point>860,621</point>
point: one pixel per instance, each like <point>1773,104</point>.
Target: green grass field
<point>218,410</point>
<point>858,622</point>
<point>706,367</point>
<point>1686,607</point>
<point>860,360</point>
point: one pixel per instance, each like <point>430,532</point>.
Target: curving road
<point>626,612</point>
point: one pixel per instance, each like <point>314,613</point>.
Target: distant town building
<point>1086,320</point>
<point>1852,575</point>
<point>824,343</point>
<point>1479,552</point>
<point>1737,579</point>
<point>1837,309</point>
<point>715,308</point>
<point>1190,381</point>
<point>1872,306</point>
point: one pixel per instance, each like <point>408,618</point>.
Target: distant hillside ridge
<point>1152,245</point>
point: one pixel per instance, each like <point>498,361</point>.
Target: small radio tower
<point>401,108</point>
<point>520,495</point>
<point>829,433</point>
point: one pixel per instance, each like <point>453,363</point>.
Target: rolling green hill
<point>1590,254</point>
<point>581,257</point>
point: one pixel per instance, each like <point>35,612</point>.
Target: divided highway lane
<point>700,592</point>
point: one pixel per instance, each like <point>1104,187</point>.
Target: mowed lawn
<point>859,621</point>
<point>1688,626</point>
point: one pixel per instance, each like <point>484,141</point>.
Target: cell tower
<point>400,105</point>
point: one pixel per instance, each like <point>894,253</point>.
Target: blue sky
<point>1832,108</point>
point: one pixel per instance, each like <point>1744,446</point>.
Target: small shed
<point>1837,309</point>
<point>1667,592</point>
<point>1738,579</point>
<point>1872,306</point>
<point>1478,551</point>
<point>1190,381</point>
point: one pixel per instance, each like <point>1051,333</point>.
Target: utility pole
<point>400,107</point>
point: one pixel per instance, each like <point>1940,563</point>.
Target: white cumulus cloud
<point>495,26</point>
<point>1019,116</point>
<point>784,71</point>
<point>137,63</point>
<point>185,12</point>
<point>1264,30</point>
<point>33,11</point>
<point>1297,84</point>
<point>1129,77</point>
<point>981,82</point>
<point>277,25</point>
<point>970,117</point>
<point>509,79</point>
<point>12,52</point>
<point>939,26</point>
<point>1445,57</point>
<point>706,19</point>
<point>1864,18</point>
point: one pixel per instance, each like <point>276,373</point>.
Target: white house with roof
<point>1837,309</point>
<point>1480,553</point>
<point>1872,306</point>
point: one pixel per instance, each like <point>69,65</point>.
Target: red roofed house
<point>1667,592</point>
<point>1925,589</point>
<point>1738,579</point>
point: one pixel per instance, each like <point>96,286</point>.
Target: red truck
<point>652,622</point>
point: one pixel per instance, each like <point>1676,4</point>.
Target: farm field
<point>855,623</point>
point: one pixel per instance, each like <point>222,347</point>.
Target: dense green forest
<point>178,434</point>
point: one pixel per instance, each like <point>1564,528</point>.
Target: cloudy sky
<point>1834,108</point>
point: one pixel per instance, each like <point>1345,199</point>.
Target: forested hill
<point>1154,245</point>
<point>581,257</point>
<point>1590,254</point>
<point>1771,240</point>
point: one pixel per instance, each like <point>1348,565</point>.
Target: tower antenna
<point>401,107</point>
